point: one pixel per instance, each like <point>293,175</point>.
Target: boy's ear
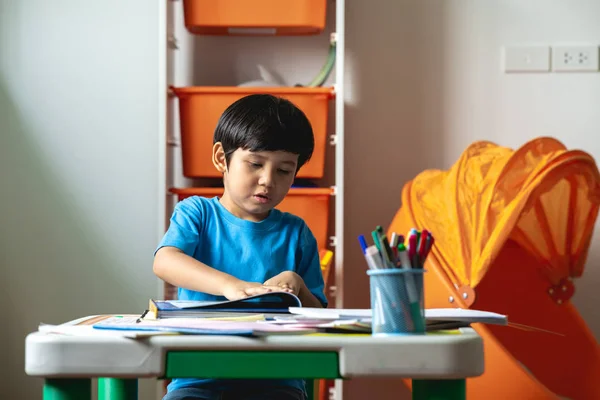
<point>218,157</point>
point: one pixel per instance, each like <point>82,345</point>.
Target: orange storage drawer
<point>201,107</point>
<point>310,204</point>
<point>254,17</point>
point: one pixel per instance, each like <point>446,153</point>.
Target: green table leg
<point>117,389</point>
<point>311,385</point>
<point>451,389</point>
<point>67,389</point>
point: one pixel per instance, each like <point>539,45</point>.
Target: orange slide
<point>512,231</point>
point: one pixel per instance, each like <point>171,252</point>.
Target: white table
<point>437,363</point>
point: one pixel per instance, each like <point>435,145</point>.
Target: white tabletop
<point>432,356</point>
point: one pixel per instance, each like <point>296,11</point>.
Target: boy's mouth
<point>261,198</point>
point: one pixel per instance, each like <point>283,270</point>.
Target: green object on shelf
<point>327,68</point>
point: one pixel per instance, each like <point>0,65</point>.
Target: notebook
<point>272,303</point>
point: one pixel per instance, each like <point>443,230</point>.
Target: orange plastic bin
<point>310,204</point>
<point>255,17</point>
<point>201,107</point>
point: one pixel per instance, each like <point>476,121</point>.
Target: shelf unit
<point>179,53</point>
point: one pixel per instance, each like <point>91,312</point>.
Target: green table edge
<point>253,364</point>
<point>243,365</point>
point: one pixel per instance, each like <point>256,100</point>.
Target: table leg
<point>117,389</point>
<point>451,389</point>
<point>311,385</point>
<point>67,389</point>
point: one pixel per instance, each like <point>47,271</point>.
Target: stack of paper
<point>299,321</point>
<point>433,314</point>
<point>200,326</point>
<point>436,318</point>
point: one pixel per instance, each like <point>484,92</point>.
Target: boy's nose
<point>266,179</point>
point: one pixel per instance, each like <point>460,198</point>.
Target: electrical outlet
<point>575,58</point>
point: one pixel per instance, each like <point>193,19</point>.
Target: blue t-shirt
<point>251,251</point>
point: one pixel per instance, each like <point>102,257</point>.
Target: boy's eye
<point>255,165</point>
<point>285,172</point>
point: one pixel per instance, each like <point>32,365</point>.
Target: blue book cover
<point>273,302</point>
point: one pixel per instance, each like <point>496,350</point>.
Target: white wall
<point>79,120</point>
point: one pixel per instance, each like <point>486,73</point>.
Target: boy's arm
<point>294,282</point>
<point>175,264</point>
<point>307,298</point>
<point>310,270</point>
<point>307,282</point>
<point>177,268</point>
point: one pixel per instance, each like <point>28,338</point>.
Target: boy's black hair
<point>262,122</point>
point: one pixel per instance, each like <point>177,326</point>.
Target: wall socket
<point>575,58</point>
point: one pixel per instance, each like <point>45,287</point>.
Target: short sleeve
<point>310,266</point>
<point>184,228</point>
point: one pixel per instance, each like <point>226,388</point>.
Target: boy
<point>239,245</point>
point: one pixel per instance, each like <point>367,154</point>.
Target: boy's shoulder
<point>194,203</point>
<point>198,208</point>
<point>206,207</point>
<point>296,224</point>
<point>290,219</point>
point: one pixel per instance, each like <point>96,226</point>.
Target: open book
<point>273,302</point>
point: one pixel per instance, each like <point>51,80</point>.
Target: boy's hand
<point>287,280</point>
<point>241,289</point>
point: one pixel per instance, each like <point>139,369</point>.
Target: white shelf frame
<point>340,57</point>
<point>163,124</point>
<point>340,11</point>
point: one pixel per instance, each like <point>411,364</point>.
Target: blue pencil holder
<point>397,301</point>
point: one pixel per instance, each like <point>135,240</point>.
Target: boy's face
<point>255,182</point>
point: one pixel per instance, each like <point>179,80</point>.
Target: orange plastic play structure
<point>512,231</point>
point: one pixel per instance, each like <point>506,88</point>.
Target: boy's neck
<point>238,212</point>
